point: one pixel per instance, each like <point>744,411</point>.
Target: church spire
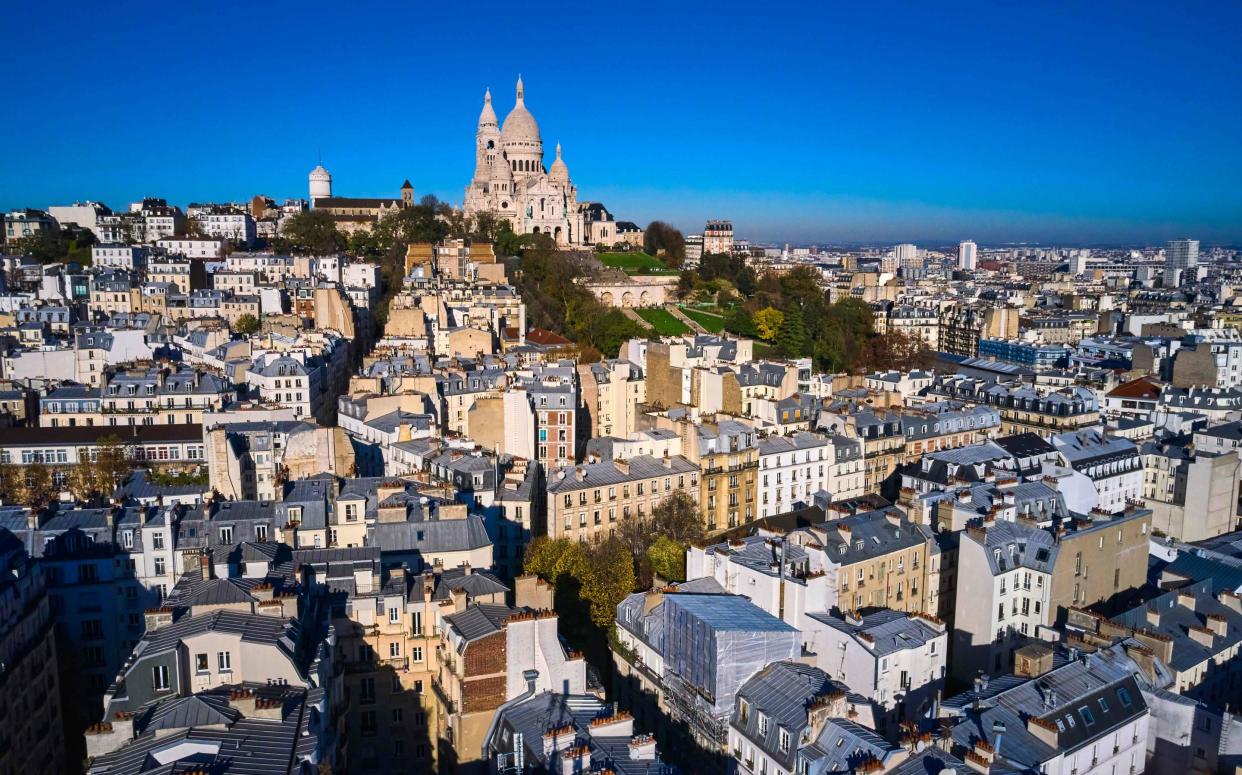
<point>521,92</point>
<point>487,116</point>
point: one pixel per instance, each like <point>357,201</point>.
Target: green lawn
<point>710,322</point>
<point>663,321</point>
<point>763,349</point>
<point>633,263</point>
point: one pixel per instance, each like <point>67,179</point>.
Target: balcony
<point>442,697</point>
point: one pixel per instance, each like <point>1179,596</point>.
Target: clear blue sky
<point>1081,121</point>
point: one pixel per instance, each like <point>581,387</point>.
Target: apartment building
<point>485,654</point>
<point>589,501</point>
<point>1109,471</point>
<point>1193,495</point>
<point>895,659</point>
<point>727,454</point>
<point>880,434</point>
<point>611,392</point>
<point>963,325</point>
<point>791,470</point>
<point>1084,716</point>
<point>30,683</point>
<point>139,396</point>
<point>792,718</point>
<point>1015,580</point>
<point>1023,407</point>
<point>873,559</point>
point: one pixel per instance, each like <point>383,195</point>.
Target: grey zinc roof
<point>782,692</point>
<point>476,584</point>
<point>755,552</point>
<point>606,473</point>
<point>197,710</point>
<point>219,739</point>
<point>546,710</point>
<point>1032,547</point>
<point>1054,696</point>
<point>867,535</point>
<point>254,628</point>
<point>842,745</point>
<point>890,631</point>
<point>1176,621</point>
<point>479,620</point>
<point>430,535</point>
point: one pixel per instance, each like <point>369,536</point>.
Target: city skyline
<point>927,128</point>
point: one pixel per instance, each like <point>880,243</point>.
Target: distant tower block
<point>321,184</point>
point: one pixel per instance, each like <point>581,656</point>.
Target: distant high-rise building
<point>1179,255</point>
<point>694,250</point>
<point>908,256</point>
<point>718,237</point>
<point>966,255</point>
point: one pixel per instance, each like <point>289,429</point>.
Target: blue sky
<point>1067,122</point>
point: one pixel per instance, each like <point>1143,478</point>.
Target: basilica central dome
<point>520,128</point>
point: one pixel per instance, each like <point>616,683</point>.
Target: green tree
<point>664,241</point>
<point>12,484</point>
<point>607,577</point>
<point>685,283</point>
<point>739,322</point>
<point>507,242</point>
<point>247,324</point>
<point>678,517</point>
<point>768,322</point>
<point>40,489</point>
<point>552,558</point>
<point>113,463</point>
<point>314,231</point>
<point>667,558</point>
<point>791,338</point>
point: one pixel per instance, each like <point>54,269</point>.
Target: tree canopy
<point>546,278</point>
<point>312,231</point>
<point>246,324</point>
<point>665,241</point>
<point>604,573</point>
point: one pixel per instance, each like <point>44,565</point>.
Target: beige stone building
<point>612,391</point>
<point>588,502</point>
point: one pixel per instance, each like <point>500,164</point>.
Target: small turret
<point>559,171</point>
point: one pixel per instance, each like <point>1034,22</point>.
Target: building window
<point>200,663</point>
<point>225,661</point>
<point>159,677</point>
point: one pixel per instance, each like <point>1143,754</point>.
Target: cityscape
<point>547,471</point>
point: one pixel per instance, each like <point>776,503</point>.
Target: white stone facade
<point>511,183</point>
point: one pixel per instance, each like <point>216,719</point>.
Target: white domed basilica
<point>511,182</point>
